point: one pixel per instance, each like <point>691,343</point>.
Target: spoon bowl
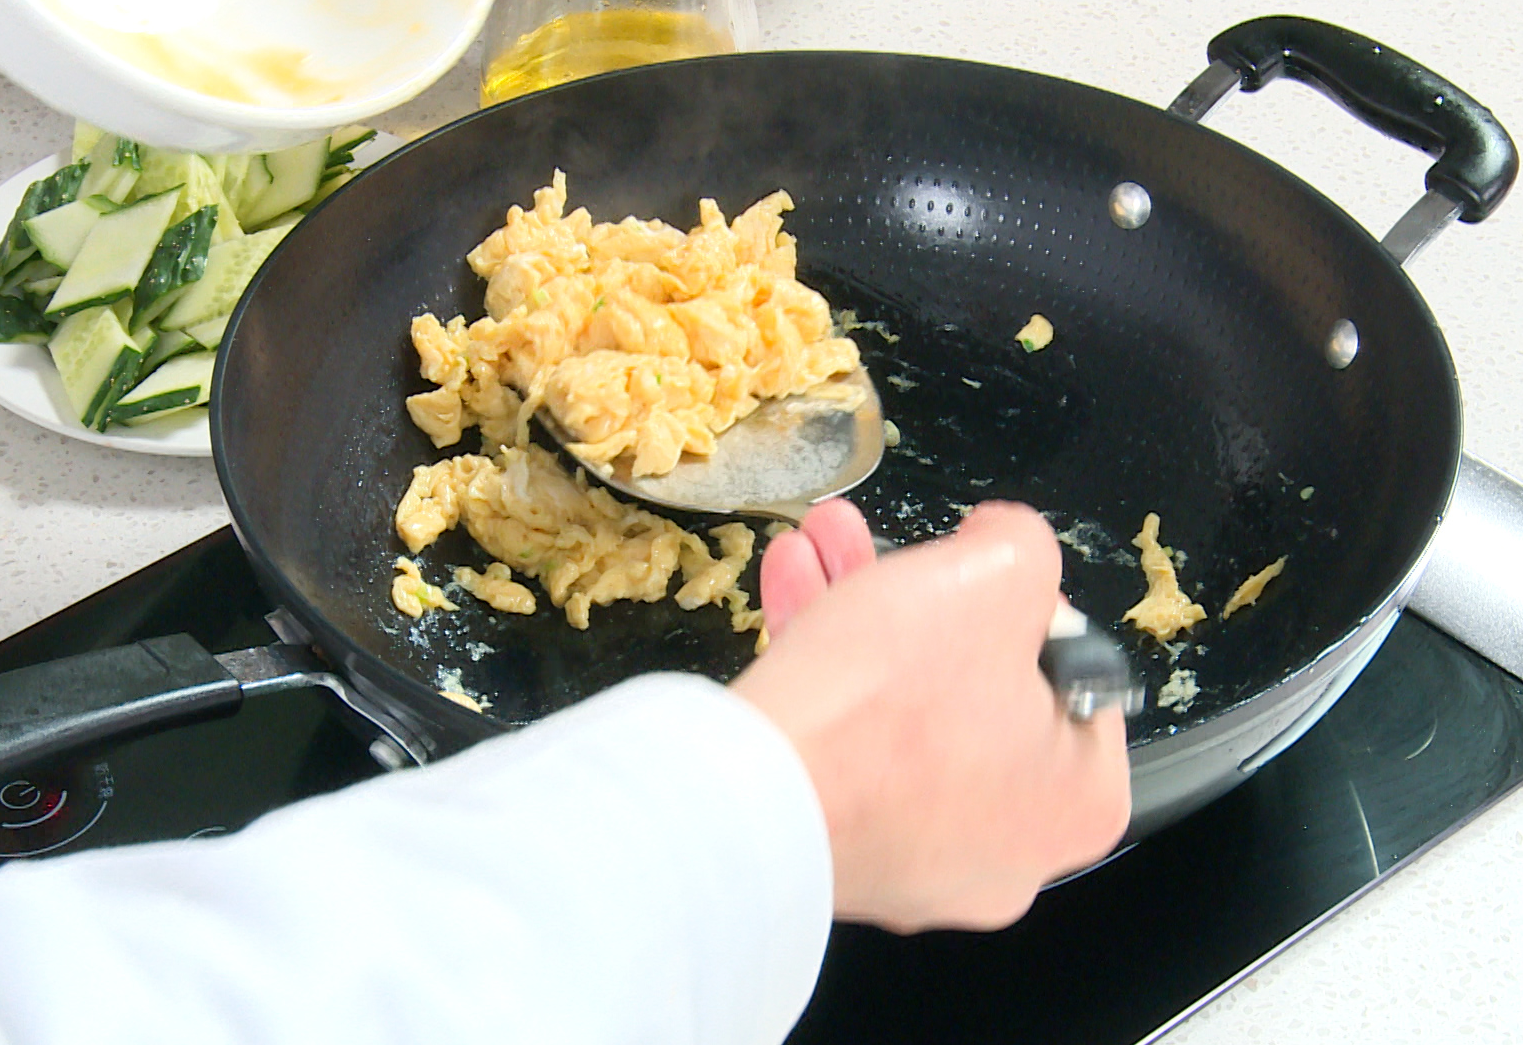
<point>783,457</point>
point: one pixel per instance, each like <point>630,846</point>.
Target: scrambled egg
<point>1249,591</point>
<point>467,702</point>
<point>638,337</point>
<point>497,588</point>
<point>452,687</point>
<point>411,594</point>
<point>584,546</point>
<point>848,320</point>
<point>1164,610</point>
<point>1036,334</point>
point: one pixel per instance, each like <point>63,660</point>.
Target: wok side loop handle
<point>1477,161</point>
<point>51,708</point>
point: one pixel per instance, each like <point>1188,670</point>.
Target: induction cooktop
<point>1427,737</point>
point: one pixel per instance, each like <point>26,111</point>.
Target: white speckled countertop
<point>1432,954</point>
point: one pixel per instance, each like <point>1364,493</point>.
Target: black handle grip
<point>1402,99</point>
<point>50,708</point>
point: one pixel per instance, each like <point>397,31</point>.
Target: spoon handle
<point>1084,666</point>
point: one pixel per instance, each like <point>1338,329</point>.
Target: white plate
<point>29,383</point>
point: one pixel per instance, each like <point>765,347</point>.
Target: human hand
<point>953,784</point>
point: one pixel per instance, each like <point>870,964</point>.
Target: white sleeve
<point>650,866</point>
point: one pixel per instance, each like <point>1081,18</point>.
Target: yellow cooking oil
<point>588,42</point>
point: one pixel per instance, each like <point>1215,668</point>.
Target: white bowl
<point>232,75</point>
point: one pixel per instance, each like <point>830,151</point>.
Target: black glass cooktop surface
<point>204,778</point>
<point>1428,735</point>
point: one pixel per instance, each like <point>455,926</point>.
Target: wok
<point>1203,368</point>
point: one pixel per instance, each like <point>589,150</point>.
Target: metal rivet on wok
<point>1131,206</point>
<point>1342,344</point>
<point>389,754</point>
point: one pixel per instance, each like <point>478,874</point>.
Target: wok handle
<point>1477,160</point>
<point>50,708</point>
<point>111,694</point>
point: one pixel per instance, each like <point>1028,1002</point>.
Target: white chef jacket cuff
<point>650,865</point>
<point>735,873</point>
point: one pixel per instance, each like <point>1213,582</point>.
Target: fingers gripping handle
<point>1086,669</point>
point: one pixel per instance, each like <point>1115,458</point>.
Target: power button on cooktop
<point>42,812</point>
<point>20,795</point>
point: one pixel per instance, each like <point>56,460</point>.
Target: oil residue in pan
<point>1092,542</point>
<point>973,412</point>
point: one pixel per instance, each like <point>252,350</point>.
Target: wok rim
<point>382,681</point>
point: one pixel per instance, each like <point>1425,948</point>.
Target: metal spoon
<point>783,457</point>
<point>795,452</point>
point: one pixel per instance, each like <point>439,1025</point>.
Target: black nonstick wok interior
<point>950,202</point>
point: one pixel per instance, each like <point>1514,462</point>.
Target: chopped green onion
<point>127,155</point>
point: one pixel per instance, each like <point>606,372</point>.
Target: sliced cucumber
<point>290,217</point>
<point>104,204</point>
<point>256,182</point>
<point>235,169</point>
<point>347,139</point>
<point>202,187</point>
<point>182,382</point>
<point>178,260</point>
<point>115,253</point>
<point>229,268</point>
<point>332,181</point>
<point>296,174</point>
<point>164,170</point>
<point>123,309</point>
<point>19,321</point>
<point>12,258</point>
<point>162,347</point>
<point>29,272</point>
<point>61,187</point>
<point>151,314</point>
<point>96,360</point>
<point>113,170</point>
<point>45,286</point>
<point>60,232</point>
<point>85,137</point>
<point>209,334</point>
<point>343,142</point>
